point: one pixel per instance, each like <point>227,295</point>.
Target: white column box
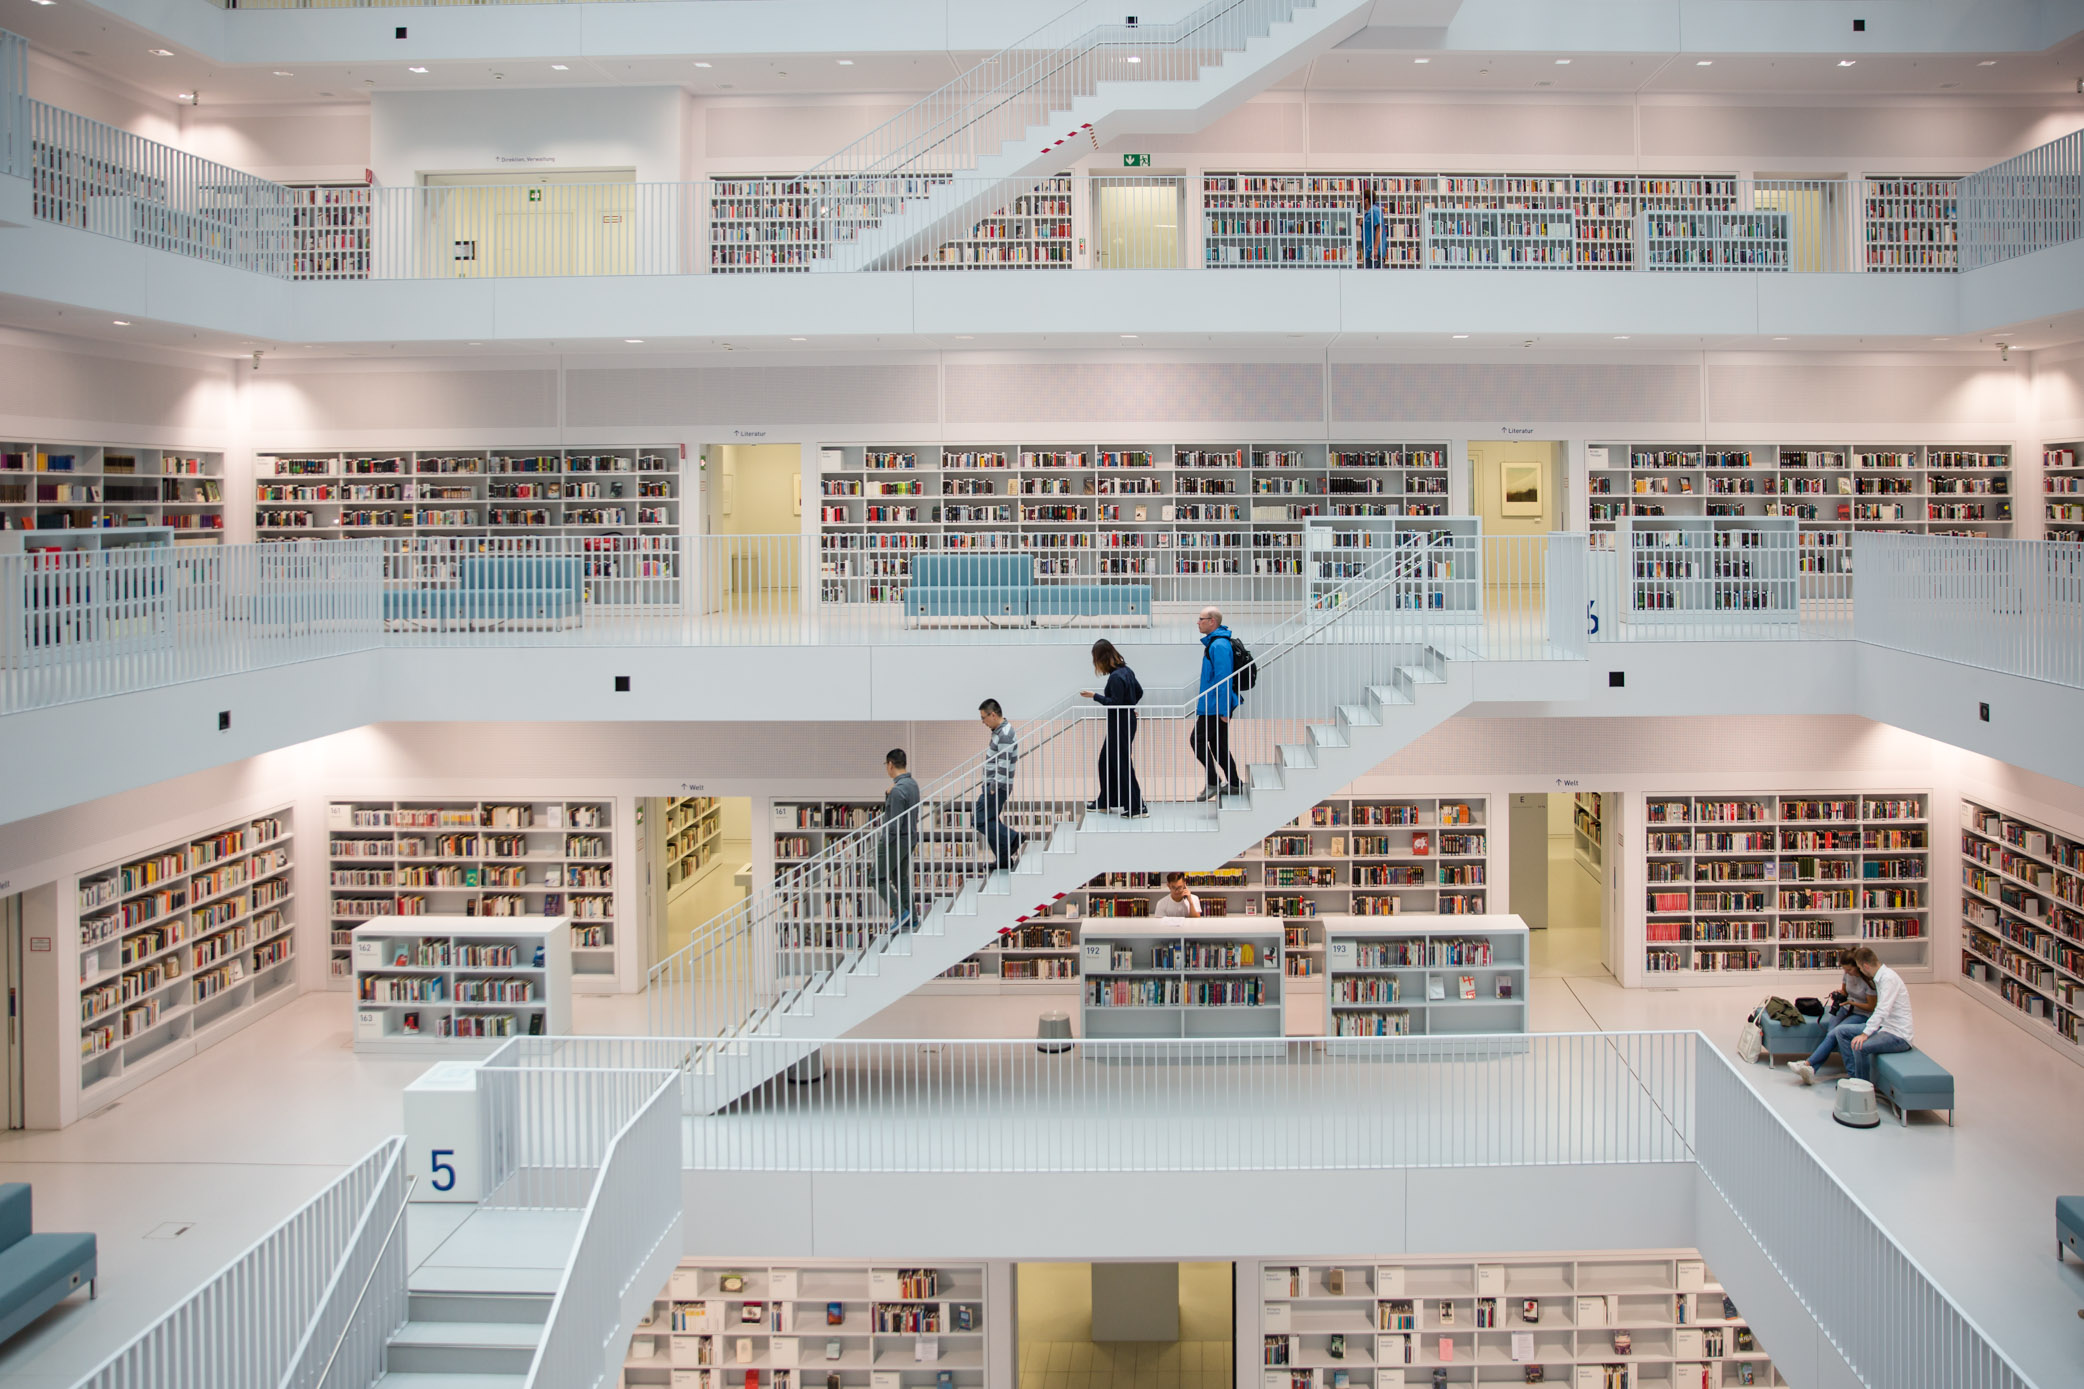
<point>444,1134</point>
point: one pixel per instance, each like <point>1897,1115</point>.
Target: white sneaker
<point>1803,1072</point>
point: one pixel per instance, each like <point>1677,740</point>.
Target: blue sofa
<point>1001,588</point>
<point>495,591</point>
<point>2069,1225</point>
<point>37,1272</point>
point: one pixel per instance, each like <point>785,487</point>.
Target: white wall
<point>414,133</point>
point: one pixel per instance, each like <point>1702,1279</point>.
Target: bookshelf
<point>1550,1319</point>
<point>2022,931</point>
<point>459,985</point>
<point>1094,511</point>
<point>1704,240</point>
<point>1464,238</point>
<point>2062,486</point>
<point>1828,488</point>
<point>1173,977</point>
<point>329,231</point>
<point>88,487</point>
<point>1425,976</point>
<point>768,223</point>
<point>809,1325</point>
<point>512,857</point>
<point>1449,585</point>
<point>1752,882</point>
<point>1032,232</point>
<point>1587,831</point>
<point>1690,569</point>
<point>1912,225</point>
<point>694,836</point>
<point>1282,220</point>
<point>180,946</point>
<point>630,493</point>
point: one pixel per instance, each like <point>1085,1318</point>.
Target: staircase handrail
<point>1028,65</point>
<point>846,859</point>
<point>347,1323</point>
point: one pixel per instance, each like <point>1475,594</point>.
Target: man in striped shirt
<point>1001,756</point>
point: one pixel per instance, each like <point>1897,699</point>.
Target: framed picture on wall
<point>1519,489</point>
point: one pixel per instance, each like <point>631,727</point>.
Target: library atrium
<point>583,809</point>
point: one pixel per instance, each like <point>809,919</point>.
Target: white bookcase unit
<point>1587,831</point>
<point>1426,976</point>
<point>480,859</point>
<point>1620,1320</point>
<point>1706,240</point>
<point>2022,931</point>
<point>1749,882</point>
<point>629,494</point>
<point>1032,232</point>
<point>458,985</point>
<point>1099,512</point>
<point>2062,485</point>
<point>809,1325</point>
<point>1459,238</point>
<point>1175,977</point>
<point>1447,585</point>
<point>98,487</point>
<point>1698,569</point>
<point>768,223</point>
<point>694,836</point>
<point>180,947</point>
<point>329,231</point>
<point>1828,489</point>
<point>1913,225</point>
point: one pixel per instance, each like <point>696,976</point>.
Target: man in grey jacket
<point>893,849</point>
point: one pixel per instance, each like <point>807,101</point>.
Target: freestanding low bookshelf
<point>2062,486</point>
<point>459,985</point>
<point>1178,977</point>
<point>1425,976</point>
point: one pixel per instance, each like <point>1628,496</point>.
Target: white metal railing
<point>635,1206</point>
<point>1678,579</point>
<point>2015,606</point>
<point>346,1344</point>
<point>549,1129</point>
<point>244,1328</point>
<point>2024,204</point>
<point>1892,1322</point>
<point>817,921</point>
<point>508,231</point>
<point>14,104</point>
<point>83,624</point>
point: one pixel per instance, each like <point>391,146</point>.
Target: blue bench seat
<point>2069,1225</point>
<point>1001,587</point>
<point>1798,1040</point>
<point>37,1272</point>
<point>506,591</point>
<point>1912,1080</point>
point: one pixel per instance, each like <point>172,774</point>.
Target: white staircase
<point>466,1340</point>
<point>1025,113</point>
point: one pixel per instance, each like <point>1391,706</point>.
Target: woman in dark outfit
<point>1119,789</point>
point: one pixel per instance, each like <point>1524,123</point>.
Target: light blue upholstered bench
<point>1783,1040</point>
<point>37,1272</point>
<point>1912,1080</point>
<point>1002,587</point>
<point>496,591</point>
<point>2069,1225</point>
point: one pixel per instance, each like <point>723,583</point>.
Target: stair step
<point>1265,777</point>
<point>1298,756</point>
<point>425,1379</point>
<point>464,1347</point>
<point>519,1308</point>
<point>1326,735</point>
<point>1420,675</point>
<point>999,884</point>
<point>1357,716</point>
<point>1388,695</point>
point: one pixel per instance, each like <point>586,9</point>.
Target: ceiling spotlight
<point>1704,62</point>
<point>1135,58</point>
<point>120,322</point>
<point>799,339</point>
<point>184,96</point>
<point>634,342</point>
<point>965,337</point>
<point>704,65</point>
<point>1562,62</point>
<point>1620,337</point>
<point>560,67</point>
<point>280,73</point>
<point>1421,61</point>
<point>1460,336</point>
<point>1986,63</point>
<point>1780,340</point>
<point>416,69</point>
<point>1847,62</point>
<point>161,52</point>
<point>43,2</point>
<point>1128,335</point>
<point>844,62</point>
<point>474,344</point>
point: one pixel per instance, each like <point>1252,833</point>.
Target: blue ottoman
<point>1799,1040</point>
<point>1912,1080</point>
<point>2069,1225</point>
<point>37,1272</point>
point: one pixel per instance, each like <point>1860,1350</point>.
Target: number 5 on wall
<point>1591,617</point>
<point>441,1175</point>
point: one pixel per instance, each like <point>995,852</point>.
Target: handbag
<point>1751,1039</point>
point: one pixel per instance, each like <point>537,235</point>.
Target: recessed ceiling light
<point>1128,335</point>
<point>965,337</point>
<point>476,344</point>
<point>184,96</point>
<point>120,322</point>
<point>1986,63</point>
<point>161,52</point>
<point>560,67</point>
<point>1421,60</point>
<point>1780,340</point>
<point>1459,336</point>
<point>636,342</point>
<point>416,69</point>
<point>704,65</point>
<point>1562,62</point>
<point>1620,337</point>
<point>1704,62</point>
<point>1847,62</point>
<point>844,62</point>
<point>44,2</point>
<point>280,73</point>
<point>1135,58</point>
<point>799,339</point>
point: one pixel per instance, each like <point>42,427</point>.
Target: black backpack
<point>1244,672</point>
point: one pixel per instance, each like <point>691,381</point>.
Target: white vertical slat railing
<point>243,1329</point>
<point>2015,606</point>
<point>14,104</point>
<point>2030,202</point>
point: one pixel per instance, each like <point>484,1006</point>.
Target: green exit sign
<point>535,195</point>
<point>1136,161</point>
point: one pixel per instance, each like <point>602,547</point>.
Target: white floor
<point>231,1142</point>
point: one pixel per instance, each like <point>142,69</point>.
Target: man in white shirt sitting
<point>1860,1041</point>
<point>1177,901</point>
